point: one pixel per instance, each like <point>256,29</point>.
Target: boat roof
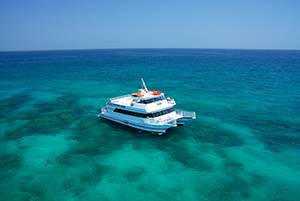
<point>129,98</point>
<point>135,103</point>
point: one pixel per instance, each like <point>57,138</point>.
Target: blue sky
<point>97,24</point>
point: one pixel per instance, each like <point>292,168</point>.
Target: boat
<point>145,110</point>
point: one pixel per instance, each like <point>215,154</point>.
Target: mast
<point>144,85</point>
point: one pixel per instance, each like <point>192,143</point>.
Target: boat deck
<point>122,100</point>
<point>127,101</point>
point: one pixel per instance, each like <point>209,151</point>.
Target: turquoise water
<point>244,144</point>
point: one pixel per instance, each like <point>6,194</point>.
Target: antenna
<point>144,85</point>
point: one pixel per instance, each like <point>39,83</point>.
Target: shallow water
<point>244,144</point>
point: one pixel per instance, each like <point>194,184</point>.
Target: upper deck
<point>147,102</point>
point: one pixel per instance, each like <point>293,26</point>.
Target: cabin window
<point>141,115</point>
<point>141,101</point>
<point>148,101</point>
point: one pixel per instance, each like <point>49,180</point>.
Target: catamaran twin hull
<point>145,127</point>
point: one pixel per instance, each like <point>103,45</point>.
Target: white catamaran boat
<point>145,110</point>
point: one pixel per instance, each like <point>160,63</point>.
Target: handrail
<point>103,109</point>
<point>186,113</point>
<point>119,97</point>
<point>172,101</point>
<point>170,121</point>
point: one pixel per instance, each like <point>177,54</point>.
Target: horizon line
<point>144,48</point>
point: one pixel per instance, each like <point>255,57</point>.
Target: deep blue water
<point>244,144</point>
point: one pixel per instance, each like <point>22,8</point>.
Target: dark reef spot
<point>43,118</point>
<point>221,137</point>
<point>240,186</point>
<point>257,179</point>
<point>234,165</point>
<point>280,141</point>
<point>68,183</point>
<point>10,105</point>
<point>74,186</point>
<point>134,174</point>
<point>35,190</point>
<point>94,176</point>
<point>9,161</point>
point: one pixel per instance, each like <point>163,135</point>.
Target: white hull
<point>140,126</point>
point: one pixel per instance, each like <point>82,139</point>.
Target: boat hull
<point>139,126</point>
<point>181,121</point>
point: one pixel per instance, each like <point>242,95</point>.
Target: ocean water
<point>244,144</point>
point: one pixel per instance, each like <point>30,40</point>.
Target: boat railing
<point>103,109</point>
<point>171,101</point>
<point>119,97</point>
<point>169,121</point>
<point>186,113</point>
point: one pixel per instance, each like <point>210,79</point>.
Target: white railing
<point>103,109</point>
<point>119,97</point>
<point>172,101</point>
<point>170,121</point>
<point>186,113</point>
